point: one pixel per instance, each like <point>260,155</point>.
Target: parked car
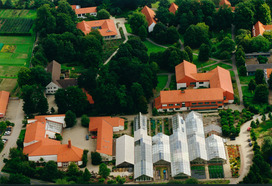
<point>87,137</point>
<point>249,128</point>
<point>249,140</point>
<point>94,137</point>
<point>7,133</point>
<point>250,144</point>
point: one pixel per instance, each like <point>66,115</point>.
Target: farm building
<point>4,99</point>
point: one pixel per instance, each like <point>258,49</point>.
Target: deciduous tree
<point>261,93</point>
<point>70,119</point>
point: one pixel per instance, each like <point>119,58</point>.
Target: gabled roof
<point>254,67</point>
<point>104,127</point>
<point>54,68</point>
<point>259,29</point>
<point>149,15</point>
<point>224,2</point>
<point>86,10</point>
<point>34,132</point>
<point>173,8</point>
<point>221,79</point>
<point>106,27</point>
<point>215,147</point>
<point>89,97</point>
<point>124,150</point>
<point>4,98</point>
<point>185,69</point>
<point>64,83</point>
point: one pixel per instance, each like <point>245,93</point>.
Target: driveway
<point>77,135</point>
<point>14,114</point>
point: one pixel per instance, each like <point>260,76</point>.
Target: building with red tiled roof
<point>173,8</point>
<point>150,17</point>
<point>104,127</point>
<point>39,141</point>
<point>89,97</point>
<point>106,27</point>
<point>4,99</point>
<point>259,29</point>
<point>198,90</point>
<point>225,3</point>
<point>82,12</point>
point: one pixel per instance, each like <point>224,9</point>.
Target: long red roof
<point>106,27</point>
<point>4,99</point>
<point>149,15</point>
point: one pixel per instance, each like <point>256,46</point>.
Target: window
<point>164,105</point>
<point>193,83</point>
<point>207,103</point>
<point>177,104</point>
<point>219,102</point>
<point>65,164</point>
<point>224,97</point>
<point>55,87</point>
<point>201,83</point>
<point>165,110</point>
<point>170,105</point>
<point>171,109</point>
<point>193,103</point>
<point>176,108</point>
<point>213,102</point>
<point>200,103</point>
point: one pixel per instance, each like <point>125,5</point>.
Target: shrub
<point>96,158</point>
<point>58,137</point>
<point>85,120</point>
<point>84,158</point>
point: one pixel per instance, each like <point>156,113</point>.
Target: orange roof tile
<point>268,72</point>
<point>224,2</point>
<point>149,15</point>
<point>104,127</point>
<point>190,95</point>
<point>66,154</point>
<point>89,97</point>
<point>34,132</point>
<point>4,98</point>
<point>221,79</point>
<point>106,27</point>
<point>86,10</point>
<point>202,76</point>
<point>185,69</point>
<point>258,29</point>
<point>173,8</point>
<point>73,7</point>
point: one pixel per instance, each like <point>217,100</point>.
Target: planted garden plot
<point>216,171</point>
<point>8,48</point>
<point>15,25</point>
<point>198,172</point>
<point>234,159</point>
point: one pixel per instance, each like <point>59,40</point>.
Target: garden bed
<point>234,159</point>
<point>216,171</point>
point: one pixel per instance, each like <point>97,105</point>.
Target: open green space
<point>201,64</point>
<point>232,74</point>
<point>225,66</point>
<point>245,79</point>
<point>152,48</point>
<point>264,128</point>
<point>22,134</point>
<point>12,13</point>
<point>247,92</point>
<point>15,25</point>
<point>216,171</point>
<point>162,80</point>
<point>128,28</point>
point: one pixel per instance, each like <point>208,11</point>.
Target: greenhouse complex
<point>185,153</point>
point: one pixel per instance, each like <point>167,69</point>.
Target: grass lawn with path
<point>153,48</point>
<point>225,66</point>
<point>201,64</point>
<point>162,80</point>
<point>264,129</point>
<point>245,79</point>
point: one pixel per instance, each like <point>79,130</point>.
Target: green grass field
<point>201,64</point>
<point>245,79</point>
<point>264,128</point>
<point>162,80</point>
<point>12,13</point>
<point>232,73</point>
<point>152,48</point>
<point>128,28</point>
<point>225,66</point>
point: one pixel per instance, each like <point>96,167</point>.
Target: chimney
<point>69,143</point>
<point>47,136</point>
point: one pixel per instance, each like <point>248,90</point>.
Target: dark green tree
<point>50,171</point>
<point>173,35</point>
<point>259,44</point>
<point>18,179</point>
<point>70,118</point>
<point>252,85</point>
<point>136,20</point>
<point>142,32</point>
<point>96,158</point>
<point>261,94</point>
<point>103,14</point>
<point>267,148</point>
<point>270,82</point>
<point>204,52</point>
<point>85,120</point>
<point>189,52</point>
<point>259,77</point>
<point>104,171</point>
<point>242,71</point>
<point>8,4</point>
<point>195,35</point>
<point>244,16</point>
<point>86,175</point>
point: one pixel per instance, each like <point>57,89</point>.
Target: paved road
<point>15,114</point>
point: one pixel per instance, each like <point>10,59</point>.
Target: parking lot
<point>77,135</point>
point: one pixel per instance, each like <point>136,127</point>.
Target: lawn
<point>232,73</point>
<point>245,79</point>
<point>162,80</point>
<point>201,64</point>
<point>264,128</point>
<point>111,46</point>
<point>225,66</point>
<point>128,28</point>
<point>22,134</point>
<point>152,48</point>
<point>216,171</point>
<point>247,92</point>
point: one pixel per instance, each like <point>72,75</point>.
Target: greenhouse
<point>125,151</point>
<point>140,122</point>
<point>212,129</point>
<point>180,163</point>
<point>215,148</point>
<point>161,149</point>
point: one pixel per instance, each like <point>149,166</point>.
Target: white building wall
<point>151,27</point>
<point>51,88</point>
<point>84,17</point>
<point>46,158</point>
<point>29,143</point>
<point>50,134</point>
<point>181,85</point>
<point>204,84</point>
